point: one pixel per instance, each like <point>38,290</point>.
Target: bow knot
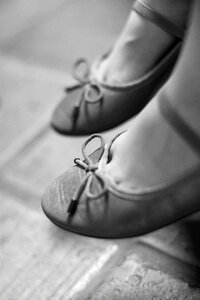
<point>87,167</point>
<point>90,168</point>
<point>92,92</point>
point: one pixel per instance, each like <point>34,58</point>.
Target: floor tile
<point>138,279</point>
<point>39,261</point>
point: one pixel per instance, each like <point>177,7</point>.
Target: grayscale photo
<point>100,150</point>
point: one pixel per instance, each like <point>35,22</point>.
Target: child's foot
<point>142,43</point>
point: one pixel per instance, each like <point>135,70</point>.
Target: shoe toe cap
<point>61,119</point>
<point>58,194</point>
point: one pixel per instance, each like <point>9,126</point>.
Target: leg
<point>142,43</point>
<point>154,151</point>
<point>183,87</point>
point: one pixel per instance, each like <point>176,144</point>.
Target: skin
<point>134,52</point>
<point>154,152</point>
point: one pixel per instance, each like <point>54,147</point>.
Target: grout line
<point>84,282</point>
<point>23,142</point>
<point>27,198</point>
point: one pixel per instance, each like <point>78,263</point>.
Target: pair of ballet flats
<point>83,199</point>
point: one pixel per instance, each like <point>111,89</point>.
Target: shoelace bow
<point>90,169</point>
<point>92,92</point>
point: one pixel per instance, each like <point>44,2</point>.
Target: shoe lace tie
<point>92,92</point>
<point>91,176</point>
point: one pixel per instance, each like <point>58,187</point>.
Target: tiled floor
<point>38,43</point>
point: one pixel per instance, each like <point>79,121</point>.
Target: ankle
<point>136,27</point>
<point>139,32</point>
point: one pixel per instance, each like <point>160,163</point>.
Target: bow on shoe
<point>91,174</point>
<point>92,92</point>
